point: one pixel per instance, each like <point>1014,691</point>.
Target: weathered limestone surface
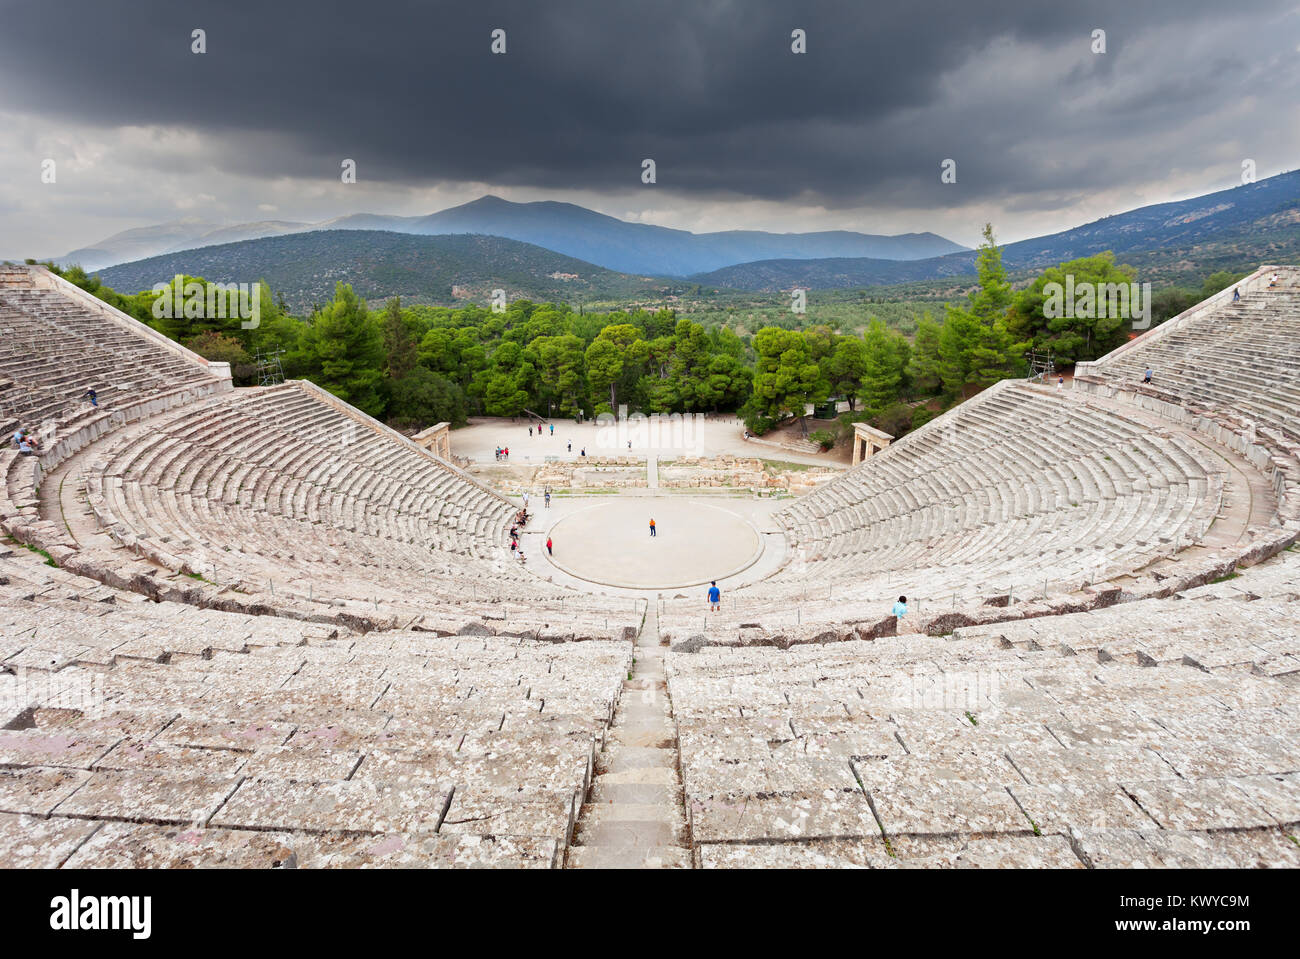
<point>254,651</point>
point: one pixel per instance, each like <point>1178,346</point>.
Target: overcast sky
<point>1046,134</point>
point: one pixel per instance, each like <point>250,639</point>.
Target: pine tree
<point>399,345</point>
<point>342,351</point>
<point>923,367</point>
<point>882,369</point>
<point>975,347</point>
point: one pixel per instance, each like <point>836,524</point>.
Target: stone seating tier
<point>52,349</point>
<point>126,722</point>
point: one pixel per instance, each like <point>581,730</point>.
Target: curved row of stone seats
<point>51,619</point>
<point>1246,623</point>
<point>1017,490</point>
<point>1228,368</point>
<point>1241,356</point>
<point>916,751</point>
<point>136,734</point>
<point>52,349</point>
<point>279,489</point>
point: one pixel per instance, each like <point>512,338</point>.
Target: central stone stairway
<point>634,817</point>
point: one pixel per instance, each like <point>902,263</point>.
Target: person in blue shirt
<point>715,598</point>
<point>900,608</point>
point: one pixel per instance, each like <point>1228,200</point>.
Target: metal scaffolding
<point>269,370</point>
<point>1042,365</point>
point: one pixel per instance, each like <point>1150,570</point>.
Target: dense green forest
<point>897,368</point>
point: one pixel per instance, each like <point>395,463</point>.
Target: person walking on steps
<point>652,527</point>
<point>549,551</point>
<point>715,598</point>
<point>900,608</point>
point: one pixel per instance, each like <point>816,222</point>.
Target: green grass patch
<point>49,560</point>
<point>785,466</point>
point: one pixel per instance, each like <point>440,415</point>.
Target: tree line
<point>415,365</point>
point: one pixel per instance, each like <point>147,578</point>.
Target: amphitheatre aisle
<point>256,628</point>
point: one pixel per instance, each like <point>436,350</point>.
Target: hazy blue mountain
<point>461,269</point>
<point>166,237</point>
<point>648,249</point>
<point>1234,229</point>
<point>563,227</point>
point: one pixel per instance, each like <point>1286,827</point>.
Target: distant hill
<point>1233,229</point>
<point>648,249</point>
<point>563,227</point>
<point>169,238</point>
<point>304,267</point>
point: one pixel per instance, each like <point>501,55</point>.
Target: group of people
<point>503,452</point>
<point>27,442</point>
<point>521,520</point>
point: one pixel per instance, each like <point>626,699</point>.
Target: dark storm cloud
<point>710,90</point>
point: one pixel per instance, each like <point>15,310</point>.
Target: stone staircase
<point>634,817</point>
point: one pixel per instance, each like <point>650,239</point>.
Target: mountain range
<point>1234,229</point>
<point>445,269</point>
<point>566,228</point>
<point>1180,242</point>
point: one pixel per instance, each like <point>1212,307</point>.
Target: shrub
<point>823,438</point>
<point>758,423</point>
<point>922,415</point>
<point>894,419</point>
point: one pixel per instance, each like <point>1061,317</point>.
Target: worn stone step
<point>628,833</point>
<point>593,813</point>
<point>656,775</point>
<point>644,682</point>
<point>606,792</point>
<point>643,719</point>
<point>651,738</point>
<point>619,758</point>
<point>628,857</point>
